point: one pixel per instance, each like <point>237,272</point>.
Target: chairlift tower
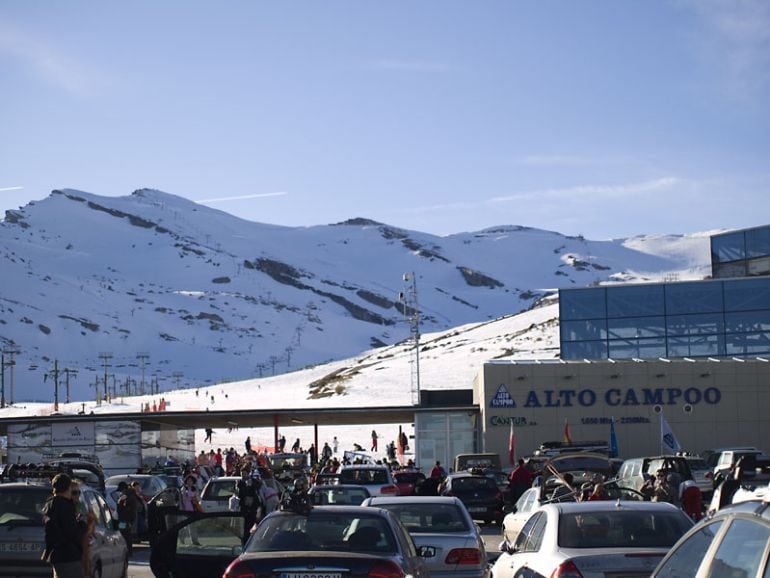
<point>408,299</point>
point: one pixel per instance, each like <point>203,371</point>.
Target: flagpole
<point>660,434</point>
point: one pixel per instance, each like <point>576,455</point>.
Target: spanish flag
<point>567,438</point>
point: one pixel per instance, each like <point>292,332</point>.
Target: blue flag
<point>613,439</point>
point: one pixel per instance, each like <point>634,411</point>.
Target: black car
<point>478,492</point>
<point>328,541</point>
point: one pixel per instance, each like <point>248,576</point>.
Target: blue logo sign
<point>502,398</point>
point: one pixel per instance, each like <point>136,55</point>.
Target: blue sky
<point>603,118</point>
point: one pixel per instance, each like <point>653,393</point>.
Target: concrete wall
<point>707,403</point>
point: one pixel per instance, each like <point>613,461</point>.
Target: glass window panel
<point>584,330</point>
<point>758,242</point>
<point>635,301</point>
<point>747,294</point>
<point>695,324</point>
<point>727,270</point>
<point>730,247</point>
<point>747,322</point>
<point>742,551</point>
<point>696,346</point>
<point>696,297</point>
<point>689,555</point>
<point>584,350</point>
<point>759,266</point>
<point>639,348</point>
<point>635,327</point>
<point>582,303</point>
<point>748,343</point>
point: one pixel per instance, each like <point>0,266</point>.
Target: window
<point>742,550</point>
<point>635,327</point>
<point>747,322</point>
<point>635,301</point>
<point>696,346</point>
<point>536,536</point>
<point>686,559</point>
<point>707,324</point>
<point>730,247</point>
<point>747,294</point>
<point>582,304</point>
<point>584,330</point>
<point>748,343</point>
<point>584,350</point>
<point>695,297</point>
<point>639,348</point>
<point>758,242</point>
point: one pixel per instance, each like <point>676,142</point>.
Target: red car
<point>407,480</point>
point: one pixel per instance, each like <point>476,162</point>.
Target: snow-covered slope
<point>211,298</point>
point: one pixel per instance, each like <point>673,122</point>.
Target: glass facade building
<point>714,318</point>
<point>744,253</point>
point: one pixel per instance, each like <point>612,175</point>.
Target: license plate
<point>476,510</point>
<point>21,546</point>
<point>311,575</point>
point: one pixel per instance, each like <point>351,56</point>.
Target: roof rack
<point>24,472</point>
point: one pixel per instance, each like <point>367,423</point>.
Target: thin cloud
<point>593,191</point>
<point>406,65</point>
<point>242,197</point>
<point>4,189</point>
<point>554,160</point>
<point>43,61</point>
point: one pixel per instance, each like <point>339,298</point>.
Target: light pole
<point>408,299</point>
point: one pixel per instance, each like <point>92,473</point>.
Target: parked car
<point>407,481</point>
<point>215,496</point>
<point>634,471</point>
<point>701,475</point>
<point>287,466</point>
<point>733,542</point>
<point>479,460</point>
<point>377,479</point>
<point>602,538</point>
<point>444,524</point>
<point>749,481</point>
<point>22,535</point>
<point>712,455</point>
<point>479,494</point>
<point>350,541</point>
<point>584,468</point>
<point>338,495</point>
<point>727,461</point>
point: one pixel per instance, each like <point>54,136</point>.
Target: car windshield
<point>339,496</point>
<point>344,532</point>
<point>408,477</point>
<point>473,484</point>
<point>22,507</point>
<point>364,476</point>
<point>145,484</point>
<point>622,529</point>
<point>291,462</point>
<point>429,517</point>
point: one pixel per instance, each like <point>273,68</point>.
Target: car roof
<point>374,500</point>
<point>365,467</point>
<point>609,506</point>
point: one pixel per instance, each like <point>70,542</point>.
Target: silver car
<point>443,523</point>
<point>22,535</point>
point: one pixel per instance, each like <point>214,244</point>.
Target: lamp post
<point>408,299</point>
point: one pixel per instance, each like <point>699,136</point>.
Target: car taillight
<point>566,570</point>
<point>384,569</point>
<point>389,490</point>
<point>238,569</point>
<point>463,556</point>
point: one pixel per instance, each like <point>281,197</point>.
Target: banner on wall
<point>73,434</point>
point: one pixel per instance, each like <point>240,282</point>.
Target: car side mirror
<point>426,551</point>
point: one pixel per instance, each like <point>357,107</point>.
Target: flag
<point>512,447</point>
<point>567,438</point>
<point>667,438</point>
<point>613,439</point>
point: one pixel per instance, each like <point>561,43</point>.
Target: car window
<point>218,490</point>
<point>92,506</point>
<point>687,557</point>
<point>22,507</point>
<point>429,517</point>
<point>521,539</point>
<point>339,496</point>
<point>473,484</point>
<point>535,538</point>
<point>742,550</point>
<point>106,513</point>
<point>622,529</point>
<point>364,476</point>
<point>209,536</point>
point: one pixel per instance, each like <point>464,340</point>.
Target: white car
<point>215,496</point>
<point>377,479</point>
<point>593,540</point>
<point>443,523</point>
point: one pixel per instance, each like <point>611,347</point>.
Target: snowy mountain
<point>199,296</point>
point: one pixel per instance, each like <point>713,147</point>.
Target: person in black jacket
<point>64,532</point>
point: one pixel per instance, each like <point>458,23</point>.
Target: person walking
<point>296,446</point>
<point>189,503</point>
<point>335,445</point>
<point>282,443</point>
<point>248,445</point>
<point>64,533</point>
<point>326,452</point>
<point>127,510</point>
<point>374,441</point>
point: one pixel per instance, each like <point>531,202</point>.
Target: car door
<point>524,507</point>
<point>197,544</point>
<point>108,548</point>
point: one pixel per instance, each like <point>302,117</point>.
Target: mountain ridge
<point>210,297</point>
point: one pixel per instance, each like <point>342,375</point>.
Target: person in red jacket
<point>519,480</point>
<point>691,499</point>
